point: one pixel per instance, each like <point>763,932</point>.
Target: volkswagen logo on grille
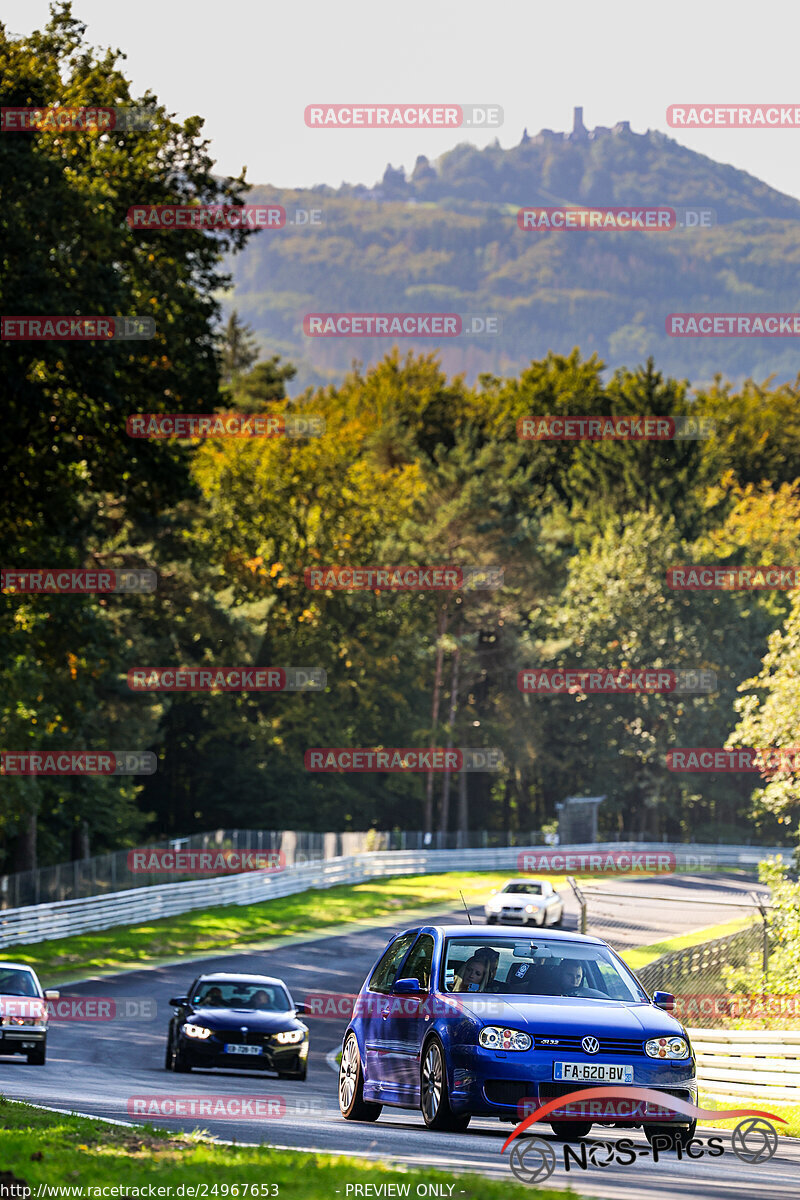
<point>590,1045</point>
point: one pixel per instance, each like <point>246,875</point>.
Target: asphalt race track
<point>94,1067</point>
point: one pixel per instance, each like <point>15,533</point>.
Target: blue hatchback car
<point>462,1021</point>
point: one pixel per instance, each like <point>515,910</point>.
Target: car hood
<point>570,1015</point>
<point>515,900</point>
<point>235,1018</point>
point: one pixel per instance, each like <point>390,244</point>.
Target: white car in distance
<point>525,902</point>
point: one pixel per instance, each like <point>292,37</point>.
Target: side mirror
<point>179,1001</point>
<point>407,987</point>
<point>51,995</point>
<point>664,1000</point>
<point>493,892</point>
<point>301,1008</point>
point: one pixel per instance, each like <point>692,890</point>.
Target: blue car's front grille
<point>542,1041</point>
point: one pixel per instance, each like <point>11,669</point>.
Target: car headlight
<point>494,1037</point>
<point>289,1037</point>
<point>531,907</point>
<point>196,1031</point>
<point>495,905</point>
<point>667,1047</point>
<point>29,1022</point>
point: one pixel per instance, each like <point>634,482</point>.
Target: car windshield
<point>266,997</point>
<point>535,967</point>
<point>525,889</point>
<point>17,982</point>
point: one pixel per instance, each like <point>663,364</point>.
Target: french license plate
<point>605,1072</point>
<point>232,1048</point>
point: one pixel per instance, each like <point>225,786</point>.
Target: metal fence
<point>748,1062</point>
<point>63,918</point>
<point>108,873</point>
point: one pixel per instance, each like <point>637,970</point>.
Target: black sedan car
<point>238,1021</point>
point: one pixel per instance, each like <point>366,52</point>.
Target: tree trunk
<point>463,809</point>
<point>437,688</point>
<point>445,815</point>
<point>25,849</point>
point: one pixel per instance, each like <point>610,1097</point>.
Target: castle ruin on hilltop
<point>579,131</point>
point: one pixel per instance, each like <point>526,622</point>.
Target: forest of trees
<point>415,466</point>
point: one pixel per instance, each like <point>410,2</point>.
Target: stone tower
<point>579,130</point>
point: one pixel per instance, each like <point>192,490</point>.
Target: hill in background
<point>445,239</point>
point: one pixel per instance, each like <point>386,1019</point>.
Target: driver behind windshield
<point>573,981</point>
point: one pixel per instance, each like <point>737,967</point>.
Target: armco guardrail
<point>40,922</point>
<point>748,1062</point>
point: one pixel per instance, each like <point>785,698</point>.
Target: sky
<point>250,68</point>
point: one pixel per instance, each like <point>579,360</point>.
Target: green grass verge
<point>640,956</point>
<point>234,927</point>
<point>790,1113</point>
<point>48,1148</point>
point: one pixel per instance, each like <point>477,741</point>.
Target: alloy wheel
<point>432,1082</point>
<point>348,1073</point>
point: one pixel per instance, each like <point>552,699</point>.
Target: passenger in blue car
<point>471,975</point>
<point>477,973</point>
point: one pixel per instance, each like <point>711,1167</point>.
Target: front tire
<point>176,1060</point>
<point>570,1131</point>
<point>36,1058</point>
<point>434,1099</point>
<point>680,1133</point>
<point>352,1104</point>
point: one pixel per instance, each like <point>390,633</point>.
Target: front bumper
<point>211,1053</point>
<point>511,1086</point>
<point>21,1040</point>
<point>516,916</point>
